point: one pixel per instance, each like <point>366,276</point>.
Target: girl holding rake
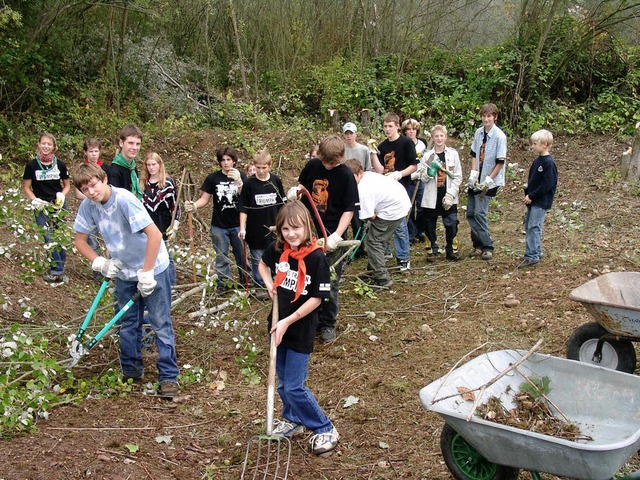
<point>301,282</point>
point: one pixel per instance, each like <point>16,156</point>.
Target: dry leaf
<point>466,394</point>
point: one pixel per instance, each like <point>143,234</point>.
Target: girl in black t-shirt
<point>301,282</point>
<point>46,183</point>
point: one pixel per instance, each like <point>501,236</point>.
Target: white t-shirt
<point>383,197</point>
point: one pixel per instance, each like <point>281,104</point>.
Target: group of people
<point>388,193</point>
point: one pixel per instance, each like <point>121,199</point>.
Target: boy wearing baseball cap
<point>354,149</point>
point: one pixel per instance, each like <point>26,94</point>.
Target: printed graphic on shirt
<point>291,280</point>
<point>320,194</point>
<point>325,287</point>
<point>227,194</point>
<point>51,174</point>
<point>265,199</point>
<point>390,162</point>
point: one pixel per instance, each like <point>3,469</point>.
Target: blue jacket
<point>543,180</point>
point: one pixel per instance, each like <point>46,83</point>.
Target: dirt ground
<point>387,347</point>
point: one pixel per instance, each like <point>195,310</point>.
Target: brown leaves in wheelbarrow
<point>530,414</point>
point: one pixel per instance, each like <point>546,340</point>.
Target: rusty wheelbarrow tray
<point>613,299</point>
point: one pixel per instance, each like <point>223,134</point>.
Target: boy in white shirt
<point>385,204</point>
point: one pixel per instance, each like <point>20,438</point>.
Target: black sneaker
<point>528,263</point>
<point>432,257</point>
<point>381,284</point>
<point>404,265</point>
<point>327,334</point>
<point>53,280</point>
<point>454,256</point>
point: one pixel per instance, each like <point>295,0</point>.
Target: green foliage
<point>541,386</point>
<point>363,289</point>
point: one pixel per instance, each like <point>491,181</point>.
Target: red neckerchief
<point>99,162</point>
<point>48,158</point>
<point>299,255</point>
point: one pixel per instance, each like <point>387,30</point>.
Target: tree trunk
<point>243,73</point>
<point>631,158</point>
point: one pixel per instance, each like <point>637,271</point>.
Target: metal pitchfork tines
<point>78,349</point>
<point>270,450</point>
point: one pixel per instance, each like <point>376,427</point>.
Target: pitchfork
<point>270,449</point>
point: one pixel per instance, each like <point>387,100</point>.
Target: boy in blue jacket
<point>538,196</point>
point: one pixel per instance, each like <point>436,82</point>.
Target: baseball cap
<point>349,127</point>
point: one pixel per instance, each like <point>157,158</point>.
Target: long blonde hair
<point>162,171</point>
<point>296,215</point>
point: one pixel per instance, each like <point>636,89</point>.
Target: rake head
<point>267,457</point>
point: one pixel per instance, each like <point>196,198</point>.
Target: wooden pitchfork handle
<point>175,210</point>
<point>271,378</point>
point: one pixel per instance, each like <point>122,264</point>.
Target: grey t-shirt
<point>361,153</point>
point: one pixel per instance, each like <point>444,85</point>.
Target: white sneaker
<point>322,443</point>
<point>285,428</point>
<point>404,265</point>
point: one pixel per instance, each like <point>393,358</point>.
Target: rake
<point>272,453</point>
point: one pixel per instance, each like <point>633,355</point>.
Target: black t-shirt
<point>261,201</point>
<point>46,180</point>
<point>225,199</point>
<point>300,334</point>
<point>333,191</point>
<point>119,176</point>
<point>398,155</point>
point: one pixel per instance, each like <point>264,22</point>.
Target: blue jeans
<point>58,253</point>
<point>221,238</point>
<point>256,255</point>
<point>477,211</point>
<point>401,241</point>
<point>298,403</point>
<point>533,225</point>
<point>158,306</point>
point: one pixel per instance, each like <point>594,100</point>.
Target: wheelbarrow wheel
<point>466,463</point>
<point>616,355</point>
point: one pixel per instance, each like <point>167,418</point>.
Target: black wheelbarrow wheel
<point>616,354</point>
<point>466,463</point>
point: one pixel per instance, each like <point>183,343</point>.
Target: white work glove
<point>292,194</point>
<point>447,201</point>
<point>332,242</point>
<point>39,204</point>
<point>146,282</point>
<point>190,207</point>
<point>234,175</point>
<point>395,175</point>
<point>59,201</point>
<point>373,148</point>
<point>473,178</point>
<point>109,268</point>
<point>172,231</point>
<point>416,175</point>
<point>488,182</point>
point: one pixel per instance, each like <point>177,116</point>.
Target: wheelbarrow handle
<point>112,322</point>
<point>92,310</point>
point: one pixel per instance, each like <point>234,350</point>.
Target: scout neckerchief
<point>50,157</point>
<point>135,184</point>
<point>299,255</point>
<point>98,162</point>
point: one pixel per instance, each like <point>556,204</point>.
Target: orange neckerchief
<point>302,268</point>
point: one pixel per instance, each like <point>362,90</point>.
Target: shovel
<point>78,349</point>
<point>272,453</point>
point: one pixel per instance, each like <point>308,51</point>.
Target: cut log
<point>631,158</point>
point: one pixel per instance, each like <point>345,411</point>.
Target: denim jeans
<point>477,211</point>
<point>328,312</point>
<point>256,255</point>
<point>533,225</point>
<point>58,253</point>
<point>221,238</point>
<point>298,403</point>
<point>401,241</point>
<point>158,306</point>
